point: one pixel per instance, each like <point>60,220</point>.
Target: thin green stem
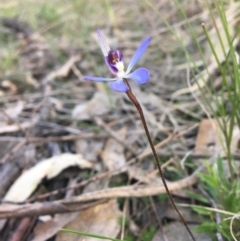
<point>134,100</point>
<point>88,234</point>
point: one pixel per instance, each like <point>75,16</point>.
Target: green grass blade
<point>89,234</point>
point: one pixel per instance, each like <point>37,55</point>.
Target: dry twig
<point>79,202</point>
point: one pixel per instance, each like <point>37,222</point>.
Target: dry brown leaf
<point>12,111</point>
<point>48,229</point>
<point>176,231</point>
<point>144,175</point>
<point>102,219</point>
<point>16,127</point>
<point>30,80</point>
<point>63,71</point>
<point>98,105</point>
<point>12,88</point>
<point>24,186</point>
<point>57,103</point>
<point>89,148</point>
<point>113,154</point>
<point>207,137</point>
<point>139,174</point>
<point>210,139</point>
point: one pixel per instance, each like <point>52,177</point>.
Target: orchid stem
<point>134,100</point>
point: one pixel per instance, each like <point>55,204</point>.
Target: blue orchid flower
<point>114,61</point>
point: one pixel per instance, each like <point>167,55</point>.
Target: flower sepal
<point>114,61</point>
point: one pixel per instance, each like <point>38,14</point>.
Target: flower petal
<point>139,52</point>
<point>119,86</point>
<point>141,75</point>
<point>98,79</point>
<point>103,43</point>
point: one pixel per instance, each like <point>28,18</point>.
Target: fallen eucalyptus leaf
<point>24,186</point>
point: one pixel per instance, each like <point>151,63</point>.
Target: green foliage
<point>197,197</point>
<point>130,237</point>
<point>229,93</point>
<point>225,194</point>
<point>202,210</point>
<point>222,104</point>
<point>49,13</point>
<point>148,234</point>
<point>162,197</point>
<point>206,227</point>
<point>86,175</point>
